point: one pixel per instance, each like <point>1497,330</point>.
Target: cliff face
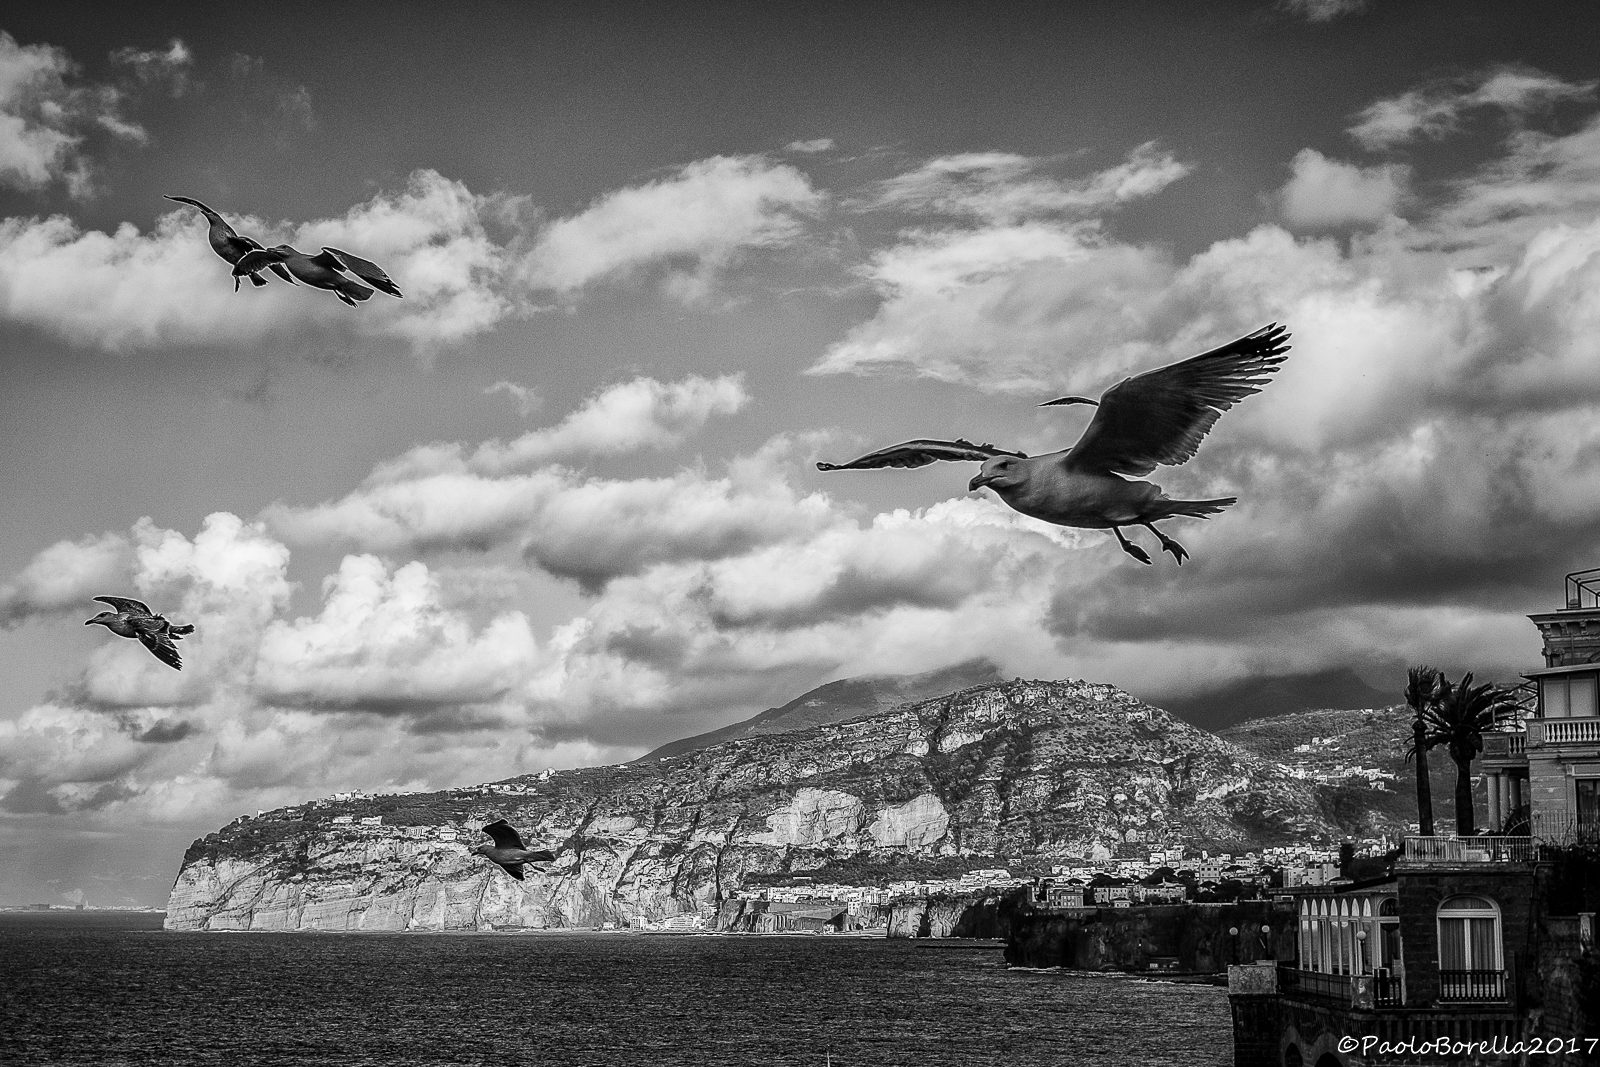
<point>1042,768</point>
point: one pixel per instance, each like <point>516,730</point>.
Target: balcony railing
<point>1504,744</point>
<point>1315,985</point>
<point>1571,731</point>
<point>1386,991</point>
<point>1472,985</point>
<point>1564,827</point>
<point>1453,850</point>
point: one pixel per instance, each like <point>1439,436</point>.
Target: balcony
<point>1472,985</point>
<point>1454,851</point>
<point>1584,731</point>
<point>1314,985</point>
<point>1564,827</point>
<point>1506,745</point>
<point>1381,990</point>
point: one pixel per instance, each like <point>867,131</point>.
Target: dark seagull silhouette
<point>1158,417</point>
<point>508,850</point>
<point>133,619</point>
<point>232,246</point>
<point>325,270</point>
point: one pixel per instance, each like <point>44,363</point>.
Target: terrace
<point>1459,851</point>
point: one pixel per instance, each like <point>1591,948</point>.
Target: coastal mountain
<point>1017,770</point>
<point>848,698</point>
<point>1252,698</point>
<point>1360,753</point>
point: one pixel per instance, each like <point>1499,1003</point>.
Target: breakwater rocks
<point>1040,769</point>
<point>1183,938</point>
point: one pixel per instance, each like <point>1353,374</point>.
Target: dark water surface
<point>80,988</point>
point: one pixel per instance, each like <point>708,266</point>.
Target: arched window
<point>1470,961</point>
<point>1388,932</point>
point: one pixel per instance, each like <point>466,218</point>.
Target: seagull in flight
<point>325,270</point>
<point>1158,417</point>
<point>132,618</point>
<point>508,850</point>
<point>232,246</point>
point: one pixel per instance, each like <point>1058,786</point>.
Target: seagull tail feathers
<point>1196,509</point>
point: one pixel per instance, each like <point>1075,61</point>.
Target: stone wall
<point>1194,938</point>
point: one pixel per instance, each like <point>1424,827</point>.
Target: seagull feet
<point>1179,553</point>
<point>1132,549</point>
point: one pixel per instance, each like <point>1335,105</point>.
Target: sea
<point>114,988</point>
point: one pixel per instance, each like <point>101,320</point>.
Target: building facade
<point>1463,948</point>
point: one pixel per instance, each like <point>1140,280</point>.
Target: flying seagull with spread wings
<point>233,246</point>
<point>508,850</point>
<point>1158,417</point>
<point>325,270</point>
<point>132,618</point>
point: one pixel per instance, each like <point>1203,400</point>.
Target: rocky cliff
<point>1013,769</point>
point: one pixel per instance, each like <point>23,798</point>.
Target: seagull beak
<point>978,482</point>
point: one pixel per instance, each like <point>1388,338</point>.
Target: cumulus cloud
<point>686,228</point>
<point>385,641</point>
<point>47,116</point>
<point>1540,180</point>
<point>1322,10</point>
<point>1009,308</point>
<point>128,289</point>
<point>573,526</point>
<point>527,400</point>
<point>1434,110</point>
<point>811,147</point>
<point>639,414</point>
<point>1003,187</point>
<point>1020,288</point>
<point>65,576</point>
<point>169,66</point>
<point>1327,193</point>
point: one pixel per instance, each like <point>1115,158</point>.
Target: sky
<point>558,505</point>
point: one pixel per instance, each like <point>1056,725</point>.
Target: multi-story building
<point>1464,940</point>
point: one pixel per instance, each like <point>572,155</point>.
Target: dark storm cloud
<point>166,732</point>
<point>31,797</point>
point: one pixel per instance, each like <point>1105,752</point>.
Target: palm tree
<point>1457,720</point>
<point>1422,692</point>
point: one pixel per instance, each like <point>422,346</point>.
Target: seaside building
<point>1463,940</point>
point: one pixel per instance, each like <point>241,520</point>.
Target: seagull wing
<point>514,870</point>
<point>366,270</point>
<point>124,604</point>
<point>921,453</point>
<point>328,260</point>
<point>541,856</point>
<point>161,647</point>
<point>1161,416</point>
<point>258,260</point>
<point>504,834</point>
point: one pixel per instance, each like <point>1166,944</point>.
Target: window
<point>1470,966</point>
<point>1568,695</point>
<point>1389,933</point>
<point>1580,695</point>
<point>1588,796</point>
<point>1553,697</point>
